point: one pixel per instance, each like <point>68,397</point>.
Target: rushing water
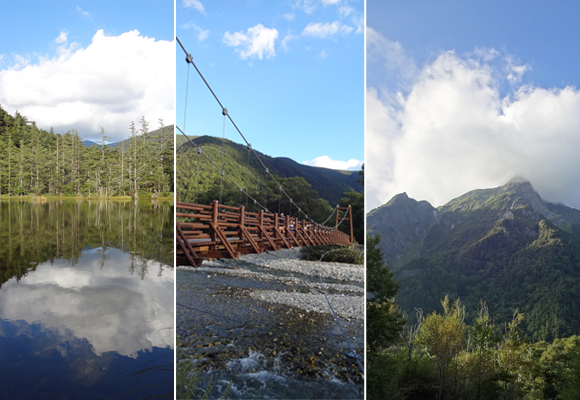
<point>86,300</point>
<point>243,348</point>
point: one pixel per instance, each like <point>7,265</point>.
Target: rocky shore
<point>262,323</point>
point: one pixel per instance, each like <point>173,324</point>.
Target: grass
<point>340,254</point>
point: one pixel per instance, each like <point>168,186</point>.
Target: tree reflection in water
<point>82,312</point>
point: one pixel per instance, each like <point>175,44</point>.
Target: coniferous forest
<point>39,162</point>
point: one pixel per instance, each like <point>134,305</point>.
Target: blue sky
<point>87,64</point>
<point>463,96</point>
<point>290,73</point>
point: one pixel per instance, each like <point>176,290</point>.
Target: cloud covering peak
<point>453,131</point>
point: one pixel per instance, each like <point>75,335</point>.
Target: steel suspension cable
<point>189,60</point>
<point>224,112</point>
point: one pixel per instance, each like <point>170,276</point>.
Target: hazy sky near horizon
<point>290,73</point>
<point>88,64</point>
<point>466,96</point>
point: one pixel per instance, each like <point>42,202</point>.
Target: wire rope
<point>224,112</point>
<point>189,60</point>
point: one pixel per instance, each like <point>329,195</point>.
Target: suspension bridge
<point>216,230</point>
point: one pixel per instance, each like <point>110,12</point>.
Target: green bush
<point>336,254</point>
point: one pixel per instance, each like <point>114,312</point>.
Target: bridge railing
<point>206,232</point>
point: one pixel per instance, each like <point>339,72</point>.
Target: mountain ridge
<point>503,245</point>
<point>330,184</point>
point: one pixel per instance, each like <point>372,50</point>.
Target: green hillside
<point>505,246</point>
<point>196,176</point>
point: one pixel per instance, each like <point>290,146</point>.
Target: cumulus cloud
<point>195,4</point>
<point>111,82</point>
<point>330,2</point>
<point>258,42</point>
<point>453,132</point>
<point>325,30</point>
<point>327,162</point>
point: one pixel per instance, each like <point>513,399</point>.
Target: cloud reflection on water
<point>114,309</point>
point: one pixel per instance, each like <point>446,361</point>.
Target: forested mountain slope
<point>505,246</point>
<point>243,167</point>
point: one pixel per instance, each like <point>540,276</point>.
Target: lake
<point>86,299</point>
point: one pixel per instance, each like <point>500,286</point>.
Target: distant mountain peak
<point>399,198</point>
<point>519,181</point>
<point>504,245</point>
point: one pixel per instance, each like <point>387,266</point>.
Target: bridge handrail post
<point>214,218</point>
<point>350,219</point>
<point>242,222</point>
<point>261,222</point>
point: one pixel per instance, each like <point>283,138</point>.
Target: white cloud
<point>307,6</point>
<point>201,34</point>
<point>83,13</point>
<point>195,4</point>
<point>393,62</point>
<point>287,39</point>
<point>486,54</point>
<point>345,10</point>
<point>20,61</point>
<point>330,2</point>
<point>359,22</point>
<point>257,42</point>
<point>325,30</point>
<point>62,38</point>
<point>515,71</point>
<point>453,132</point>
<point>113,81</point>
<point>290,16</point>
<point>327,162</point>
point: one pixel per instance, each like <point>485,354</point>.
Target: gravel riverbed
<point>261,326</point>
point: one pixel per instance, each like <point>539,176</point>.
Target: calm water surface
<point>86,300</point>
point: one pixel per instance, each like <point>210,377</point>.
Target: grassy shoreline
<point>55,197</point>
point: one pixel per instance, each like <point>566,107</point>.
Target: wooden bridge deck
<point>206,232</point>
